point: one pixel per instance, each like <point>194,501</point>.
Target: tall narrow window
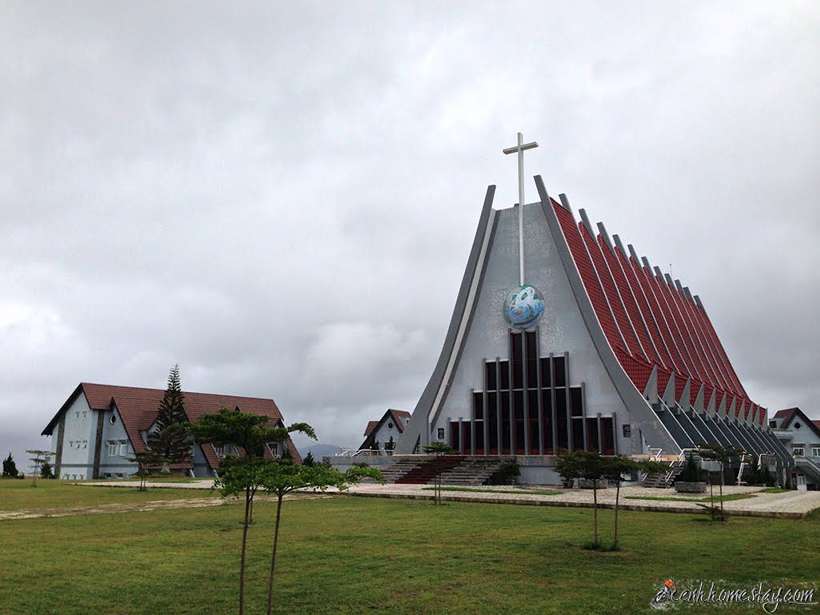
<point>607,435</point>
<point>532,404</point>
<point>489,369</point>
<point>504,369</point>
<point>560,371</point>
<point>517,361</point>
<point>478,405</point>
<point>575,401</point>
<point>546,372</point>
<point>561,418</point>
<point>505,423</point>
<point>532,360</point>
<point>592,434</point>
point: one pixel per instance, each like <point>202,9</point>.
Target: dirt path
<point>39,513</point>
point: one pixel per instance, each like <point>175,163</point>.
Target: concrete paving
<point>794,504</point>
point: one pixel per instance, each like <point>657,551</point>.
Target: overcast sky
<point>281,196</point>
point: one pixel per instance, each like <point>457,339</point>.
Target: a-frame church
<point>564,338</point>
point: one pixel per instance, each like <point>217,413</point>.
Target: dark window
<point>466,443</point>
<point>505,422</point>
<point>546,407</point>
<point>561,418</point>
<point>440,433</point>
<point>493,429</point>
<point>532,359</point>
<point>627,429</point>
<point>576,403</point>
<point>478,405</point>
<point>479,438</point>
<point>518,405</point>
<point>517,361</point>
<point>489,368</point>
<point>592,434</point>
<point>454,435</point>
<point>492,407</point>
<point>546,375</point>
<point>532,401</point>
<point>578,434</point>
<point>504,367</point>
<point>560,371</point>
<point>607,435</point>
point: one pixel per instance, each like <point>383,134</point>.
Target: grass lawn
<point>672,498</point>
<point>343,554</point>
<point>516,491</point>
<point>48,494</point>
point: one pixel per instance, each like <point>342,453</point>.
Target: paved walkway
<point>793,504</point>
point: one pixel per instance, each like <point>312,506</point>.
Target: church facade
<point>563,338</point>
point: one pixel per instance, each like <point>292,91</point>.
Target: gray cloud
<point>281,197</point>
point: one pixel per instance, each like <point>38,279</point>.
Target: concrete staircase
<point>662,480</point>
<point>453,469</point>
<point>471,472</point>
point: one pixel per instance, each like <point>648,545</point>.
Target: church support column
<point>472,426</point>
<point>524,389</point>
<point>538,387</point>
<point>568,401</point>
<point>554,409</point>
<point>584,415</point>
<point>499,430</point>
<point>600,433</point>
<point>58,464</point>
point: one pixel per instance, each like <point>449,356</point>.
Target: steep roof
<point>789,414</point>
<point>651,321</point>
<point>138,408</point>
<point>397,416</point>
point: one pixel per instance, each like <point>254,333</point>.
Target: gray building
<point>99,427</point>
<point>563,338</point>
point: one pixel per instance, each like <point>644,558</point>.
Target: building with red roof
<point>564,338</point>
<point>99,427</point>
<point>383,434</point>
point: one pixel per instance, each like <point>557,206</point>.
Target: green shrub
<point>691,471</point>
<point>506,474</point>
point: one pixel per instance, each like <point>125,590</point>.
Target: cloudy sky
<point>281,196</point>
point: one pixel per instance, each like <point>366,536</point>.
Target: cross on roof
<point>519,149</point>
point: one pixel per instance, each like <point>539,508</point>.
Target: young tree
<point>146,461</point>
<point>438,449</point>
<point>724,456</point>
<point>242,473</point>
<point>46,470</point>
<point>9,467</point>
<point>586,465</point>
<point>615,468</point>
<point>171,436</point>
<point>38,458</point>
<point>281,478</point>
<point>309,460</point>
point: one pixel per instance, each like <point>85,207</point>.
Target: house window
<point>797,451</point>
<point>390,425</point>
<point>113,418</point>
<point>220,451</point>
<point>815,451</point>
<point>797,425</point>
<point>111,448</point>
<point>440,433</point>
<point>123,448</point>
<point>773,424</point>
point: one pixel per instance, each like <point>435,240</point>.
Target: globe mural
<point>524,306</point>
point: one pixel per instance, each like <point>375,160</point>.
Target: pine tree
<point>9,467</point>
<point>171,437</point>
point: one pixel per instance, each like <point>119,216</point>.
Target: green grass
<point>515,491</point>
<point>776,490</point>
<point>48,494</point>
<point>672,498</point>
<point>368,555</point>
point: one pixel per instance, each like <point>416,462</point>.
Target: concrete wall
<point>78,440</point>
<point>114,431</point>
<point>387,429</point>
<point>561,328</point>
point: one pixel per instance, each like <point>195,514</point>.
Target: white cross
<point>519,149</point>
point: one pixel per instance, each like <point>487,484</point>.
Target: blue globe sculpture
<point>524,306</point>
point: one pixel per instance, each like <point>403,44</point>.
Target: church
<point>563,337</point>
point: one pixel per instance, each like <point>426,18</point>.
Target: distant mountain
<point>319,450</point>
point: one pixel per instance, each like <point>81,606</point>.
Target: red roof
<point>651,321</point>
<point>399,418</point>
<point>138,408</point>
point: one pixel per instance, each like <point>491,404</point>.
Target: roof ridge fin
<point>604,234</point>
<point>619,245</point>
<point>565,202</point>
<point>585,220</point>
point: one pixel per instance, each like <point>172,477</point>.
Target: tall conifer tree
<point>171,439</point>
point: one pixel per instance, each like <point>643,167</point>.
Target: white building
<point>801,436</point>
<point>383,435</point>
<point>99,427</point>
